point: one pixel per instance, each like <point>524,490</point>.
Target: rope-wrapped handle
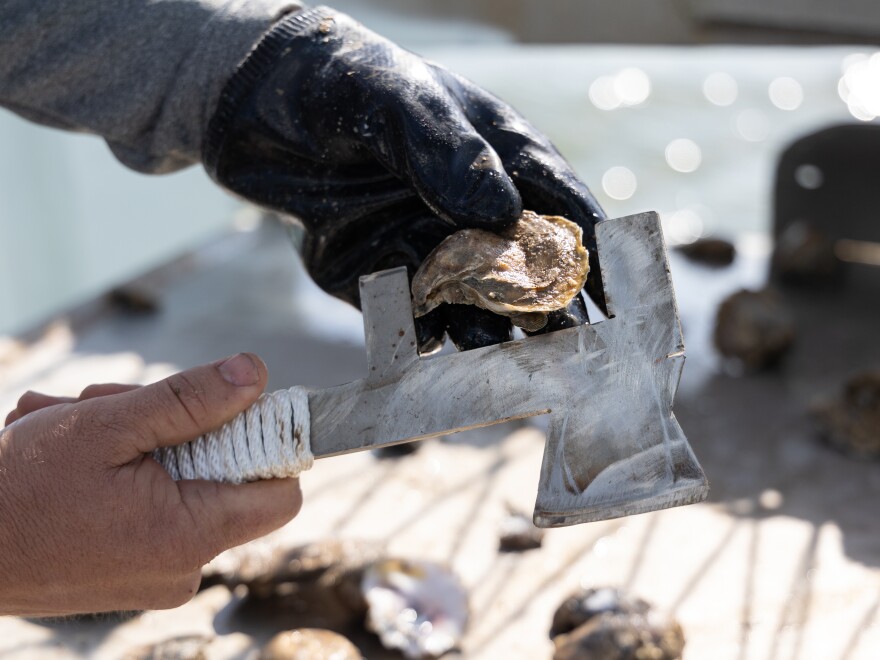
<point>268,440</point>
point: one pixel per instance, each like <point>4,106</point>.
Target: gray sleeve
<point>143,74</point>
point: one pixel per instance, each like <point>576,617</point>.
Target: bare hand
<point>90,523</point>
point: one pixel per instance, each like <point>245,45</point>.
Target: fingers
<point>185,405</point>
<point>452,167</point>
<point>430,330</point>
<point>32,401</point>
<point>105,389</point>
<point>574,314</point>
<point>545,180</point>
<point>470,327</point>
<point>227,515</point>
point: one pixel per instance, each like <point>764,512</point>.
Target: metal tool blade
<point>614,447</point>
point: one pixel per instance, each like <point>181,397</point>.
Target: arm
<point>145,75</point>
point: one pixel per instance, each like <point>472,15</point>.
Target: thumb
<point>226,515</point>
<point>188,404</point>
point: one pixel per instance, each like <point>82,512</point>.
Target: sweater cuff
<point>262,60</point>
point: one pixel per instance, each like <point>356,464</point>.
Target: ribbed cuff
<point>261,61</point>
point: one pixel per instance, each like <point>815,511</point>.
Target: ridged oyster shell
<point>309,644</point>
<point>535,266</point>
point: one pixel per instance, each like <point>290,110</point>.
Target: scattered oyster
<point>416,607</point>
<point>185,647</point>
<point>309,644</point>
<point>710,251</point>
<point>583,605</point>
<point>754,327</point>
<point>535,266</point>
<point>312,586</point>
<point>851,422</point>
<point>519,533</point>
<point>607,624</point>
<point>612,636</point>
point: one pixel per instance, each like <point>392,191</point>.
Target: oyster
<point>185,647</point>
<point>519,533</point>
<point>585,604</point>
<point>608,624</point>
<point>611,636</point>
<point>755,328</point>
<point>710,251</point>
<point>309,644</point>
<point>535,266</point>
<point>851,422</point>
<point>310,586</point>
<point>416,607</point>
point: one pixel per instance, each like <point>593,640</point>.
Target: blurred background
<point>684,107</point>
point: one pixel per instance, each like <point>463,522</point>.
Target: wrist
<point>275,45</point>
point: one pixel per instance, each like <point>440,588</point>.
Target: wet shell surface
<point>754,328</point>
<point>609,624</point>
<point>185,647</point>
<point>417,607</point>
<point>851,421</point>
<point>309,644</point>
<point>518,533</point>
<point>535,266</point>
<point>317,585</point>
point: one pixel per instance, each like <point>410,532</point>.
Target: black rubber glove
<point>381,155</point>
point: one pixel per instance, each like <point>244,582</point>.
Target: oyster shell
<point>185,647</point>
<point>755,328</point>
<point>417,607</point>
<point>608,624</point>
<point>535,266</point>
<point>317,585</point>
<point>518,533</point>
<point>851,421</point>
<point>612,636</point>
<point>309,644</point>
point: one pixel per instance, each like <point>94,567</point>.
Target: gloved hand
<point>381,155</point>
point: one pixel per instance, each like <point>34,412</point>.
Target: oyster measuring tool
<point>613,448</point>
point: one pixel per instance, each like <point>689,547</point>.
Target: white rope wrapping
<point>268,440</point>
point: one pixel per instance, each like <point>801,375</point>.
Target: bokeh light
<point>720,88</point>
<point>627,88</point>
<point>632,86</point>
<point>619,182</point>
<point>808,176</point>
<point>786,93</point>
<point>683,155</point>
<point>602,93</point>
<point>860,85</point>
<point>682,226</point>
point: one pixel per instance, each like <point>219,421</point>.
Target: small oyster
<point>611,636</point>
<point>583,605</point>
<point>417,607</point>
<point>185,647</point>
<point>535,266</point>
<point>755,328</point>
<point>608,624</point>
<point>309,644</point>
<point>851,422</point>
<point>311,586</point>
<point>710,251</point>
<point>519,533</point>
